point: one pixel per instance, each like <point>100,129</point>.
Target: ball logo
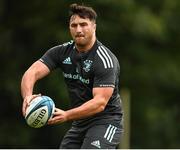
<point>39,117</point>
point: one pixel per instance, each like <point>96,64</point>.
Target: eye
<point>83,24</point>
<point>73,25</point>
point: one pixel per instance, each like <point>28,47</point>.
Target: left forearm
<point>100,99</point>
<point>89,108</point>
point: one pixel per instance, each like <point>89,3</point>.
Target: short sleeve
<point>52,57</point>
<point>105,70</point>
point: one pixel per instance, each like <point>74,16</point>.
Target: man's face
<point>82,30</point>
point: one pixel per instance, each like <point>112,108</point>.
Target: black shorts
<point>102,136</point>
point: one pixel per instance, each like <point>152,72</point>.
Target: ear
<point>95,26</point>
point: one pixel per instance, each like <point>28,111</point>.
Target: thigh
<point>73,139</point>
<point>105,136</point>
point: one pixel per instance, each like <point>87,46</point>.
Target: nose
<point>78,29</point>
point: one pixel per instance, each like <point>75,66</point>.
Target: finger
<point>37,95</point>
<point>55,111</point>
<point>29,99</point>
<point>53,120</point>
<point>50,121</point>
<point>26,103</point>
<point>24,109</point>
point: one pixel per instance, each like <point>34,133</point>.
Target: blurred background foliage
<point>144,35</point>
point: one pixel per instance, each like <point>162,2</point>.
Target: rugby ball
<point>39,111</point>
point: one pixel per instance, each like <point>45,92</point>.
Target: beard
<point>81,41</point>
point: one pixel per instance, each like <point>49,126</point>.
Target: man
<point>91,73</point>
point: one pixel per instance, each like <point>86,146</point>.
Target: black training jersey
<point>83,71</point>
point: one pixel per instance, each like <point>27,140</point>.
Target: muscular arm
<point>101,97</point>
<point>35,72</point>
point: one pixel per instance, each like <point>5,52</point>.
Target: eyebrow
<point>79,23</point>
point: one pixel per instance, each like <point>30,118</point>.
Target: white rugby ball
<point>39,111</point>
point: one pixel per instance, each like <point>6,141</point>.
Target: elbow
<point>101,107</point>
<point>101,104</point>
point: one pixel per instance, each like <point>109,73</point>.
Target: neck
<point>85,48</point>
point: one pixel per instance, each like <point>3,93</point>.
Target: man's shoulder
<point>63,46</point>
<point>105,56</point>
<point>66,44</point>
<point>104,49</point>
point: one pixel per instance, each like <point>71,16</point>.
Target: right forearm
<point>37,71</point>
<point>27,83</point>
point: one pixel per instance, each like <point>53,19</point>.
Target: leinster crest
<point>87,65</point>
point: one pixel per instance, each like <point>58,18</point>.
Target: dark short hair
<point>82,11</point>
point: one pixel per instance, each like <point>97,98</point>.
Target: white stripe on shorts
<point>110,132</point>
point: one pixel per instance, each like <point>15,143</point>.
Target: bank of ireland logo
<point>77,71</point>
<point>87,65</point>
